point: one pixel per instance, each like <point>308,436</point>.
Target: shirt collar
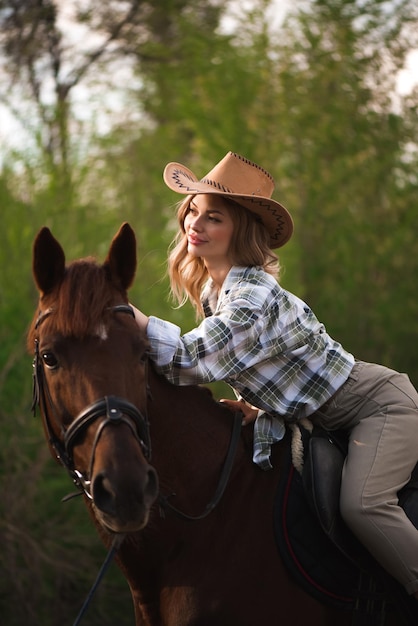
<point>210,295</point>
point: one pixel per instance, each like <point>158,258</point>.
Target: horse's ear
<point>121,259</point>
<point>48,261</point>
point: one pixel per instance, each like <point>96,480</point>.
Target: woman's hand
<point>249,412</point>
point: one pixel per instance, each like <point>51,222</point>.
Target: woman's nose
<point>195,224</point>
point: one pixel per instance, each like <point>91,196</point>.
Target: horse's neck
<point>190,434</point>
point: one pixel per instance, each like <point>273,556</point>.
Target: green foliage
<point>51,553</point>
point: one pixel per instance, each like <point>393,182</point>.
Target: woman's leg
<point>383,450</point>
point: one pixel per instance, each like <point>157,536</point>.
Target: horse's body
<point>223,570</point>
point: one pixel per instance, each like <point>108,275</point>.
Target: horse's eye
<point>50,359</point>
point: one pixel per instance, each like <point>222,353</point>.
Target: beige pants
<point>380,408</point>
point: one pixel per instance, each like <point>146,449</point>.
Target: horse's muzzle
<point>127,509</point>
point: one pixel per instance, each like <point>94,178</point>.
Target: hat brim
<point>274,215</point>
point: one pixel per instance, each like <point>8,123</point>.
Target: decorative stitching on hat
<point>280,221</point>
<point>176,177</point>
<point>219,186</point>
<point>265,172</point>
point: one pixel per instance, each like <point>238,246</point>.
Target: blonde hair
<point>250,246</point>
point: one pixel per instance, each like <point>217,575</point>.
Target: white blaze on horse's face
<point>101,332</point>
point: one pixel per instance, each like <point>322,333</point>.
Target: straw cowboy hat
<point>244,182</point>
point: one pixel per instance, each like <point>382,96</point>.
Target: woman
<point>270,348</point>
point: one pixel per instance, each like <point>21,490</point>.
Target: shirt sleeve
<point>267,431</point>
<point>222,346</point>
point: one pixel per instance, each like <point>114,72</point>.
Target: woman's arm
<point>140,318</point>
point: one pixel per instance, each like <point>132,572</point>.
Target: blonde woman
<point>268,345</point>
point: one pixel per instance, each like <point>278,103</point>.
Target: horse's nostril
<point>103,494</point>
<point>152,484</point>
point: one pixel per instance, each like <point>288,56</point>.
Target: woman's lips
<point>195,241</point>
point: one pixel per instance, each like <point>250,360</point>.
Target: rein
<point>116,543</point>
<point>223,480</point>
<point>116,411</point>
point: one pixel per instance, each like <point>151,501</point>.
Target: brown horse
<point>100,401</point>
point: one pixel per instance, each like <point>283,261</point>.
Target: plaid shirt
<point>265,343</point>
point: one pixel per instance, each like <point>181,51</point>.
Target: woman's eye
<point>50,359</point>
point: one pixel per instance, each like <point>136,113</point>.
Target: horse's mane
<point>80,301</point>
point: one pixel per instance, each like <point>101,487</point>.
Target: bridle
<point>111,410</point>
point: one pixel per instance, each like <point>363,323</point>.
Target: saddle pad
<point>322,569</point>
<point>312,559</point>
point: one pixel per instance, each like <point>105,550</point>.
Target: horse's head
<point>90,377</point>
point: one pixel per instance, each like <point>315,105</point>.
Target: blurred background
<point>95,98</point>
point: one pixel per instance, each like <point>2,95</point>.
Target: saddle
<point>319,550</point>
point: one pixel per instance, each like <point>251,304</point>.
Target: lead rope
<point>116,543</point>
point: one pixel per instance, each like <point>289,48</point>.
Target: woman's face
<point>208,226</point>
